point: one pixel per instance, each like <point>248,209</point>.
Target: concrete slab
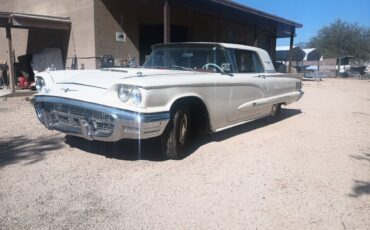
<point>5,92</point>
<point>18,93</point>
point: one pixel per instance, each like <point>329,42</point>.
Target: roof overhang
<point>230,10</point>
<point>29,21</point>
<point>256,12</point>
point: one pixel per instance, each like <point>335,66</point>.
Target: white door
<point>247,88</point>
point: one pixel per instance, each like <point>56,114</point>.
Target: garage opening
<point>153,34</point>
<point>39,39</point>
<point>46,36</point>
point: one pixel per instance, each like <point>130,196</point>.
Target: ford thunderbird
<point>182,89</point>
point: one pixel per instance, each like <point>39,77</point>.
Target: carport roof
<point>282,53</point>
<point>299,54</point>
<point>26,21</point>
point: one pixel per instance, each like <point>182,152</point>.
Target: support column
<point>292,32</point>
<point>166,22</point>
<point>255,36</point>
<point>273,48</point>
<point>11,60</point>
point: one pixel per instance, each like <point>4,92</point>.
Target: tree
<point>343,39</point>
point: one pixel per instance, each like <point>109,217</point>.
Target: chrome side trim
<point>283,98</point>
<point>202,85</point>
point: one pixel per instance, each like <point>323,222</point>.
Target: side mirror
<point>226,67</point>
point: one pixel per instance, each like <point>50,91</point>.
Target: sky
<point>313,14</point>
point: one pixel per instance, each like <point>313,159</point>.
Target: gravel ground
<point>310,170</point>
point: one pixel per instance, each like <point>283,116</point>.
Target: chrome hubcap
<point>183,129</point>
<point>273,110</point>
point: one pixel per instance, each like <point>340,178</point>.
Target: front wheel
<point>176,135</point>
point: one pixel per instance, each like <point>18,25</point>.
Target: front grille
<point>67,117</point>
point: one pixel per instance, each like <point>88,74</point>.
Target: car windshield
<point>191,58</point>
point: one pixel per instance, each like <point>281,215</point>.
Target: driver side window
<point>248,62</point>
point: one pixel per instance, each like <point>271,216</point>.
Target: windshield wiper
<point>182,67</point>
<point>155,67</point>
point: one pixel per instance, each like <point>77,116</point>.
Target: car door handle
<point>261,76</point>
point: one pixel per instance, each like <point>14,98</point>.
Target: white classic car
<point>181,88</point>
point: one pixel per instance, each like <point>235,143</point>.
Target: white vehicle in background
<point>343,66</point>
<point>182,88</point>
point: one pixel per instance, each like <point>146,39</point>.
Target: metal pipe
<point>292,32</point>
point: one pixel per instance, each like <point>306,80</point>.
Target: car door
<point>247,88</point>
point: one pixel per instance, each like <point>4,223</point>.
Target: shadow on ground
<point>23,149</point>
<point>122,150</point>
<point>361,187</point>
<point>366,157</point>
<point>151,150</point>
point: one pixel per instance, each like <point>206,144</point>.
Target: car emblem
<point>66,90</point>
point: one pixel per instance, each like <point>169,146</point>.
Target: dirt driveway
<point>310,170</point>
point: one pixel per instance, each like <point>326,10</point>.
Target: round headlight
<point>124,93</point>
<point>40,83</point>
<point>136,96</point>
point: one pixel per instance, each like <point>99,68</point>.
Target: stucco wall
<point>81,13</point>
<point>126,16</point>
<point>112,17</point>
<point>19,43</point>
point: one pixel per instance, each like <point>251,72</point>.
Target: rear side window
<point>247,62</point>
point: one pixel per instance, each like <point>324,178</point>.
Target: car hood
<point>107,77</point>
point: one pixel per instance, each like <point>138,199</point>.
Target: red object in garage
<point>23,83</point>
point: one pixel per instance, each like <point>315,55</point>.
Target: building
<point>126,28</point>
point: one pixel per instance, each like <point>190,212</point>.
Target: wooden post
<point>273,48</point>
<point>11,60</point>
<point>166,22</point>
<point>292,32</point>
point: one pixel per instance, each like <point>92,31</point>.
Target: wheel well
<point>199,116</point>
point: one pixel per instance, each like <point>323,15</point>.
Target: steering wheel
<point>211,64</point>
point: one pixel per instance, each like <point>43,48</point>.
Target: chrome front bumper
<point>301,93</point>
<point>97,122</point>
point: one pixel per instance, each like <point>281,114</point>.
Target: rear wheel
<point>275,110</point>
<point>176,135</point>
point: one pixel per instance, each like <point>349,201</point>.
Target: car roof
<point>265,57</point>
